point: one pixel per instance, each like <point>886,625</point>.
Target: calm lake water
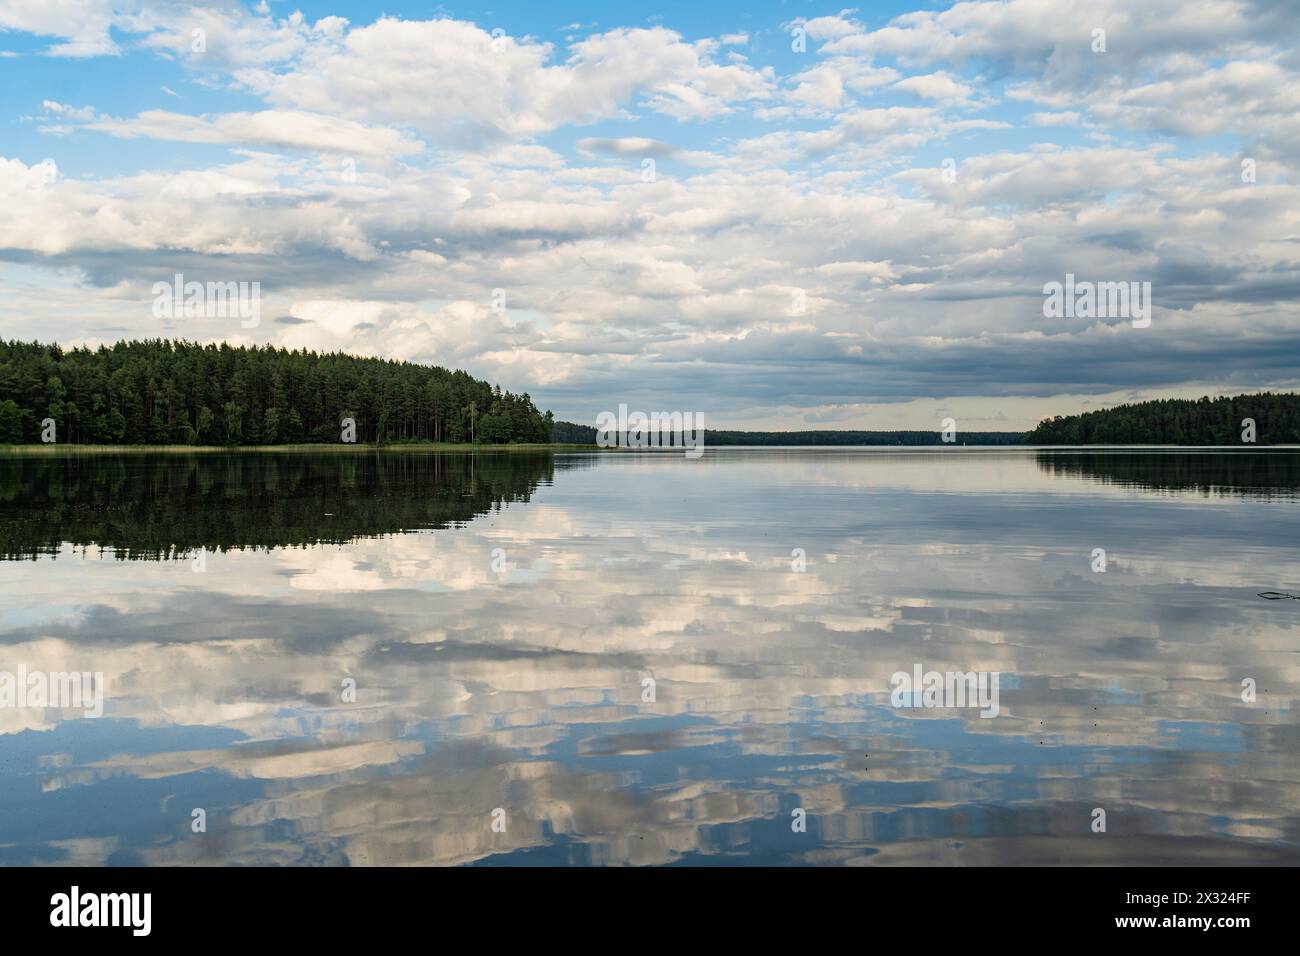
<point>502,617</point>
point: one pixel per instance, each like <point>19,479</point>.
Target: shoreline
<point>340,448</point>
<point>55,448</point>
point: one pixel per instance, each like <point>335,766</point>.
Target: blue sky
<point>854,234</point>
<point>135,80</point>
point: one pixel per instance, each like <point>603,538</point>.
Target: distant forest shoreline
<point>571,433</point>
<point>1266,418</point>
<point>179,395</point>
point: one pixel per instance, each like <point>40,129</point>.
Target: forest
<point>839,437</point>
<point>160,392</point>
<point>575,434</point>
<point>1199,421</point>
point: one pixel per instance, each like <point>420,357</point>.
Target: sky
<point>778,215</point>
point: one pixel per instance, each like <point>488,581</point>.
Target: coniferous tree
<point>158,392</point>
<point>1177,421</point>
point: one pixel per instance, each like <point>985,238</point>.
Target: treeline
<point>158,392</point>
<point>1204,421</point>
<point>712,437</point>
<point>1177,421</point>
<point>567,433</point>
<point>571,433</point>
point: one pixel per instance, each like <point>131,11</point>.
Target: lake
<point>527,658</point>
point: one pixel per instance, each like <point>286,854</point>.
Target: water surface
<point>502,614</point>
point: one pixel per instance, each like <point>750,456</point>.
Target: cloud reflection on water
<point>523,691</point>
